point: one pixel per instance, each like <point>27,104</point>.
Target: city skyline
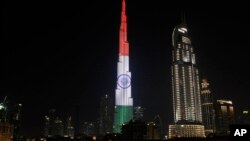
<point>53,57</point>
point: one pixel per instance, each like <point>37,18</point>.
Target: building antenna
<point>183,18</point>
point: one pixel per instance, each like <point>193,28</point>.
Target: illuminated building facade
<point>123,98</point>
<point>224,116</point>
<point>185,87</point>
<point>208,112</point>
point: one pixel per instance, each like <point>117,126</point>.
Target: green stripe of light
<point>123,114</point>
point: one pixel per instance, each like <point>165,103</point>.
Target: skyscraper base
<point>123,114</point>
<point>186,131</point>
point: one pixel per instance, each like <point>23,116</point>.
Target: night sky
<point>63,54</point>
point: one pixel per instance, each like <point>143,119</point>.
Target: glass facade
<point>185,87</point>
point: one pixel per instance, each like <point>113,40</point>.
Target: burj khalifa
<point>123,97</point>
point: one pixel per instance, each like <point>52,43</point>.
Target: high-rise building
<point>185,87</point>
<point>224,116</point>
<point>70,129</point>
<point>106,115</point>
<point>153,131</point>
<point>245,117</point>
<point>46,126</point>
<point>90,128</point>
<point>138,113</point>
<point>52,117</point>
<point>58,127</point>
<point>208,112</point>
<point>15,119</point>
<point>123,98</point>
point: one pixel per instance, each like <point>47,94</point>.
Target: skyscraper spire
<point>124,46</point>
<point>183,18</point>
<point>123,97</point>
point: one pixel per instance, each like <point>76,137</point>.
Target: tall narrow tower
<point>185,86</point>
<point>123,98</point>
<point>208,111</point>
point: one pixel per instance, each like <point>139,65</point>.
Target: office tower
<point>106,115</point>
<point>208,112</point>
<point>46,126</point>
<point>58,127</point>
<point>15,119</point>
<point>153,131</point>
<point>70,129</point>
<point>123,97</point>
<point>158,122</point>
<point>224,116</point>
<point>185,87</point>
<point>138,113</point>
<point>52,117</point>
<point>90,128</point>
<point>245,117</point>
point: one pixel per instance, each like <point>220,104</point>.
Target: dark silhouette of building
<point>153,132</point>
<point>185,87</point>
<point>224,116</point>
<point>57,130</point>
<point>208,112</point>
<point>106,115</point>
<point>134,130</point>
<point>52,117</point>
<point>6,128</point>
<point>15,119</point>
<point>91,128</point>
<point>70,131</point>
<point>245,117</point>
<point>46,125</point>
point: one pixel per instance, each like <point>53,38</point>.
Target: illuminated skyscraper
<point>224,116</point>
<point>185,87</point>
<point>123,98</point>
<point>208,112</point>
